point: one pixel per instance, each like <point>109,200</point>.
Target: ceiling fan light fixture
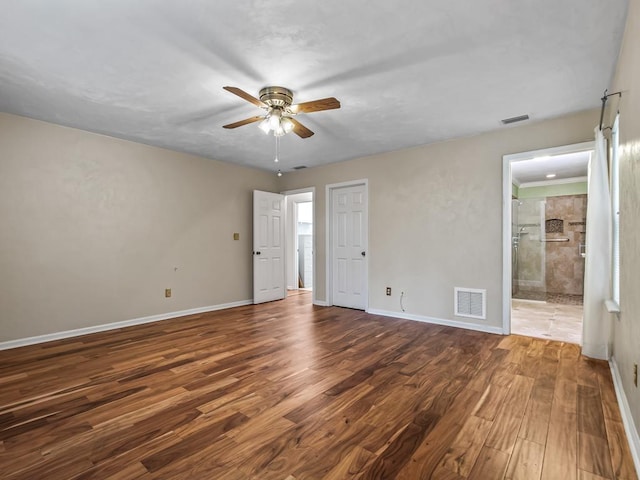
<point>274,118</point>
<point>286,124</point>
<point>278,102</point>
<point>265,125</point>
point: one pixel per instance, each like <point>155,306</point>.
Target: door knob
<point>257,253</point>
<point>363,253</point>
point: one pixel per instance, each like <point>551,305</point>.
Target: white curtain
<point>597,271</point>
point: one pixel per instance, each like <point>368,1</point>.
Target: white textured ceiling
<point>407,73</point>
<point>568,165</point>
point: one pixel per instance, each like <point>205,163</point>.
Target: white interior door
<point>268,246</point>
<point>349,246</point>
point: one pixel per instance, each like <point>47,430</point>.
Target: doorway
<point>304,240</point>
<point>300,243</point>
<point>545,201</point>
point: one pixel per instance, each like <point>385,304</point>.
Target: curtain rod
<point>604,99</point>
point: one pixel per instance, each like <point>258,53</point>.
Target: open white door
<point>349,246</point>
<point>268,247</point>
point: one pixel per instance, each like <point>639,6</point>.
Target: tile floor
<point>552,321</point>
<point>564,298</point>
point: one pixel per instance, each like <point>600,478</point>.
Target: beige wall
<point>93,229</point>
<point>626,345</point>
<point>435,215</point>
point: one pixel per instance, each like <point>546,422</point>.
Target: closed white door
<point>349,246</point>
<point>268,246</point>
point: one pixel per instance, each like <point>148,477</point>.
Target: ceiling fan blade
<point>246,121</point>
<point>299,129</point>
<point>316,105</point>
<point>244,95</point>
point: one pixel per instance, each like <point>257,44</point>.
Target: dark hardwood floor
<point>291,391</point>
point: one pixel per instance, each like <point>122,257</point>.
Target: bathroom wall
<point>553,190</point>
<point>564,265</point>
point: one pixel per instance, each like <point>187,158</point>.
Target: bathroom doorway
<point>300,241</point>
<point>304,237</point>
<point>547,222</point>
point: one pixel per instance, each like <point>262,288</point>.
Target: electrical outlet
<point>236,236</point>
<point>167,292</point>
<point>635,374</point>
<point>388,291</point>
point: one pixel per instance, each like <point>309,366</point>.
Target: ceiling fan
<point>278,103</point>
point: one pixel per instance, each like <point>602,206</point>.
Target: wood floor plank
<point>561,449</point>
<point>289,390</point>
<point>609,401</point>
<point>350,465</point>
<point>623,469</point>
<point>594,455</point>
<point>491,402</point>
<point>526,461</point>
<point>507,423</point>
<point>491,463</point>
<point>565,395</point>
<point>428,456</point>
<point>133,471</point>
<point>192,442</point>
<point>465,448</point>
<point>582,475</point>
<point>535,423</point>
<point>590,412</point>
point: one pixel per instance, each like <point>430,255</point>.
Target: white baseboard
<point>320,303</point>
<point>625,411</point>
<point>21,342</point>
<point>438,321</point>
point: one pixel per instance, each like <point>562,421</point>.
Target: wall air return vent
<point>517,119</point>
<point>470,302</point>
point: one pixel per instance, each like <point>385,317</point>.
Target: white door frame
<point>286,193</point>
<point>329,232</point>
<point>507,192</point>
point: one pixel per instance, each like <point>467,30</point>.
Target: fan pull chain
<point>276,159</point>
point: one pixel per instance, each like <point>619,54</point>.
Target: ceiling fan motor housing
<point>279,97</point>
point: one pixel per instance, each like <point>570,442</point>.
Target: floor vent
<point>470,302</point>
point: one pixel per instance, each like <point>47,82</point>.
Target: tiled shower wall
<point>564,265</point>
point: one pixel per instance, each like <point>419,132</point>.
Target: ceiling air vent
<point>521,118</point>
<point>300,167</point>
<point>470,302</point>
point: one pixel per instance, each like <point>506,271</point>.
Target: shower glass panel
<point>528,249</point>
